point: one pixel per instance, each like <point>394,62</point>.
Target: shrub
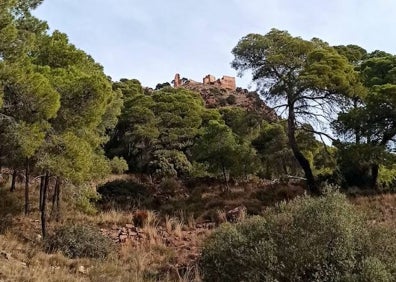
<point>307,239</point>
<point>118,165</point>
<point>222,102</point>
<point>229,255</point>
<point>86,198</point>
<point>170,186</point>
<point>374,269</point>
<point>76,241</point>
<point>231,100</point>
<point>124,194</point>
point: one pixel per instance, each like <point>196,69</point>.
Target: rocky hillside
<point>217,97</point>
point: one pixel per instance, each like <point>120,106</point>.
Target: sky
<point>151,40</point>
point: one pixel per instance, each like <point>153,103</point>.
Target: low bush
<point>124,195</point>
<point>231,100</point>
<point>76,241</point>
<point>170,186</point>
<point>86,198</point>
<point>307,239</point>
<point>118,165</point>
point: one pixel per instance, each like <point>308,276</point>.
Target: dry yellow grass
<point>379,208</point>
<point>22,257</point>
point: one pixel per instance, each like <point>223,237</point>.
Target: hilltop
<point>218,93</point>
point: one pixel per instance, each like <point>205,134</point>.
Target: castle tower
<point>177,80</point>
<point>209,79</point>
<point>228,82</point>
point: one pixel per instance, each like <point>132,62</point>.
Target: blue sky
<point>151,40</point>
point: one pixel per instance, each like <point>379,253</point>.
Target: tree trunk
<point>284,167</point>
<point>13,179</point>
<point>304,163</point>
<point>374,176</point>
<point>42,179</point>
<point>55,210</point>
<point>27,187</point>
<point>43,204</point>
<point>357,129</point>
<point>227,187</point>
<point>57,202</point>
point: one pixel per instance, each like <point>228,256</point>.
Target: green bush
<point>86,198</point>
<point>374,269</point>
<point>307,239</point>
<point>118,165</point>
<point>76,241</point>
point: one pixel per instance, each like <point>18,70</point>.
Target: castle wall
<point>177,81</point>
<point>209,79</point>
<point>228,82</point>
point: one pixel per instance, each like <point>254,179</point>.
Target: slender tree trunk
<point>227,188</point>
<point>27,187</point>
<point>42,179</point>
<point>13,179</point>
<point>55,210</point>
<point>304,163</point>
<point>357,130</point>
<point>43,205</point>
<point>57,202</point>
<point>284,167</point>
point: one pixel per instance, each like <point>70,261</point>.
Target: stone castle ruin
<point>227,82</point>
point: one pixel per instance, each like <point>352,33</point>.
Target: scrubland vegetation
<point>105,180</point>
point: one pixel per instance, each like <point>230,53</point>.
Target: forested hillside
<point>136,179</point>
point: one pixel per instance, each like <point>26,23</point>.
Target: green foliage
<point>242,122</point>
<point>77,241</point>
<point>70,157</point>
<point>89,106</point>
<point>155,130</point>
<point>162,85</point>
<point>308,79</point>
<point>374,270</point>
<point>118,165</point>
<point>18,28</point>
<point>217,148</point>
<point>355,54</point>
<point>387,177</point>
<point>378,69</point>
<point>274,152</point>
<point>307,239</point>
<point>369,122</point>
<point>169,163</point>
<point>86,198</point>
<point>229,255</point>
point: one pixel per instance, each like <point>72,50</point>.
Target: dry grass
<point>173,226</point>
<point>168,224</point>
<point>113,217</point>
<point>26,262</point>
<point>379,208</point>
<point>149,260</point>
<point>221,216</point>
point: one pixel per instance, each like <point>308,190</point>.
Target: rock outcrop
<point>223,92</point>
<point>217,97</point>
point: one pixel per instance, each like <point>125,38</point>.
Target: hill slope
<point>217,97</point>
